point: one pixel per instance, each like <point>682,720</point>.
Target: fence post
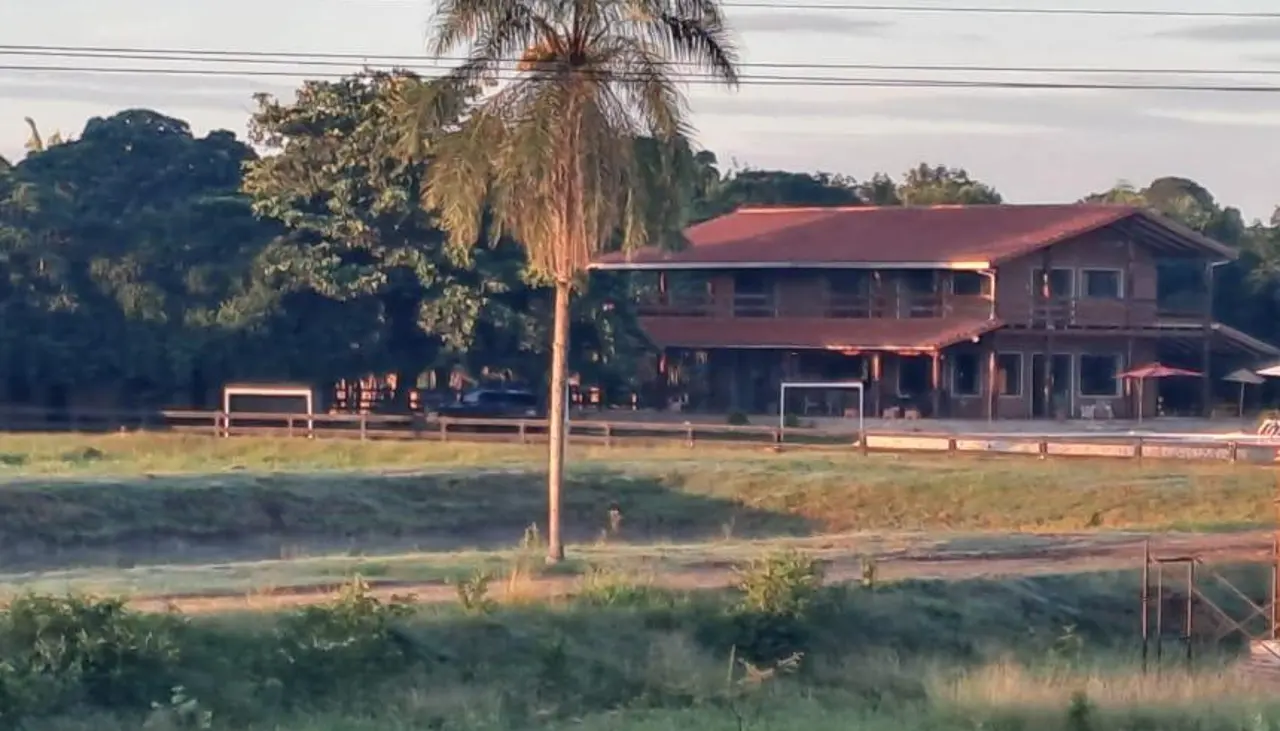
<point>524,432</point>
<point>608,434</point>
<point>689,435</point>
<point>1233,451</point>
<point>1044,447</point>
<point>1137,449</point>
<point>952,448</point>
<point>444,430</point>
<point>866,443</point>
<point>289,425</point>
<point>364,427</point>
<point>217,424</point>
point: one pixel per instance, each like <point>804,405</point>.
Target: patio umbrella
<point>1153,370</point>
<point>1244,377</point>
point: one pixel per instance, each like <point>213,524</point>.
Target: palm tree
<point>547,154</point>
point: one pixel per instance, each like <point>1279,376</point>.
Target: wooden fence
<point>596,431</point>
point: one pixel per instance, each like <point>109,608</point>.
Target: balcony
<point>837,306</point>
<point>1060,313</point>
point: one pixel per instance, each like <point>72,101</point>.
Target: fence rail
<point>1262,449</point>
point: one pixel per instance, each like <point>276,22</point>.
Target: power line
<point>996,10</point>
<point>966,9</point>
<point>752,80</point>
<point>346,60</point>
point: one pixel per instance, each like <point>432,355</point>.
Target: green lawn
<point>140,497</point>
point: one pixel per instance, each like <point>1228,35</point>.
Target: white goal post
<point>231,391</point>
<point>828,385</point>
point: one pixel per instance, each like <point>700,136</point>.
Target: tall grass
<point>776,653</point>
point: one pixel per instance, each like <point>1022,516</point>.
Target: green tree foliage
<point>931,185</point>
<point>356,236</point>
<point>1247,290</point>
<point>122,244</point>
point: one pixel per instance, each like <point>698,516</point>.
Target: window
<point>1009,374</point>
<point>753,295</point>
<point>970,284</point>
<point>1102,284</point>
<point>966,374</point>
<point>848,293</point>
<point>1100,375</point>
<point>1061,282</point>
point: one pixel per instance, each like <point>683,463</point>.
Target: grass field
<point>122,499</point>
<point>646,636</point>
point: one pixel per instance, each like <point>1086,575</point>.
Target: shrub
<point>737,418</point>
<point>357,635</point>
<point>781,584</point>
<point>770,623</point>
<point>64,651</point>
<point>473,594</point>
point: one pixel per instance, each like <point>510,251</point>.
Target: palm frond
<point>552,156</point>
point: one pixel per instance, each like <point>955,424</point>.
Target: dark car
<point>490,403</point>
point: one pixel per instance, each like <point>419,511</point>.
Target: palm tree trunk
<point>556,428</point>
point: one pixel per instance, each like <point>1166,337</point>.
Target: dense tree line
<point>143,265</point>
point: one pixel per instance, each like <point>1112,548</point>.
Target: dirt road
<point>1072,554</point>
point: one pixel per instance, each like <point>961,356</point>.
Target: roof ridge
<point>765,208</point>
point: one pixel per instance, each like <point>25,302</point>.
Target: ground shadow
<point>241,516</point>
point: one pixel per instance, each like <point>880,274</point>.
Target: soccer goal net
<point>829,399</point>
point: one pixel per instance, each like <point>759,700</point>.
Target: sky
<point>1035,146</point>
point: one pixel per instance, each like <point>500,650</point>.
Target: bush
<point>59,652</point>
<point>771,621</point>
<point>322,647</point>
<point>737,418</point>
<point>782,584</point>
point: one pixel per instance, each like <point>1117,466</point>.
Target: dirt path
<point>1072,555</point>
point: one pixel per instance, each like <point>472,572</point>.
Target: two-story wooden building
<point>963,311</point>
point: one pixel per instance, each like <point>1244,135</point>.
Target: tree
<point>133,236</point>
<point>356,235</point>
<point>752,187</point>
<point>550,154</point>
<point>928,185</point>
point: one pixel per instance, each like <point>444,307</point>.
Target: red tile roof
<point>892,235</point>
<point>813,333</point>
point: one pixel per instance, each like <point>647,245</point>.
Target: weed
<point>180,713</point>
<point>869,570</point>
<point>473,594</point>
<point>781,584</point>
<point>1080,713</point>
<point>604,588</point>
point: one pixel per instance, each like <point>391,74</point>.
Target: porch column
<point>935,381</point>
<point>1207,355</point>
<point>661,392</point>
<point>876,374</point>
<point>993,397</point>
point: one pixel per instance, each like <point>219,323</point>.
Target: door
<point>1060,385</point>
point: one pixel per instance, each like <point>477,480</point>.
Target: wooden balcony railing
<point>1068,312</point>
<point>832,306</point>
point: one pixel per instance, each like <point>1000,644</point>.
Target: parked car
<point>491,403</point>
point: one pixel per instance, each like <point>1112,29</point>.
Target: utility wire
<point>962,9</point>
<point>346,60</point>
<point>750,80</point>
